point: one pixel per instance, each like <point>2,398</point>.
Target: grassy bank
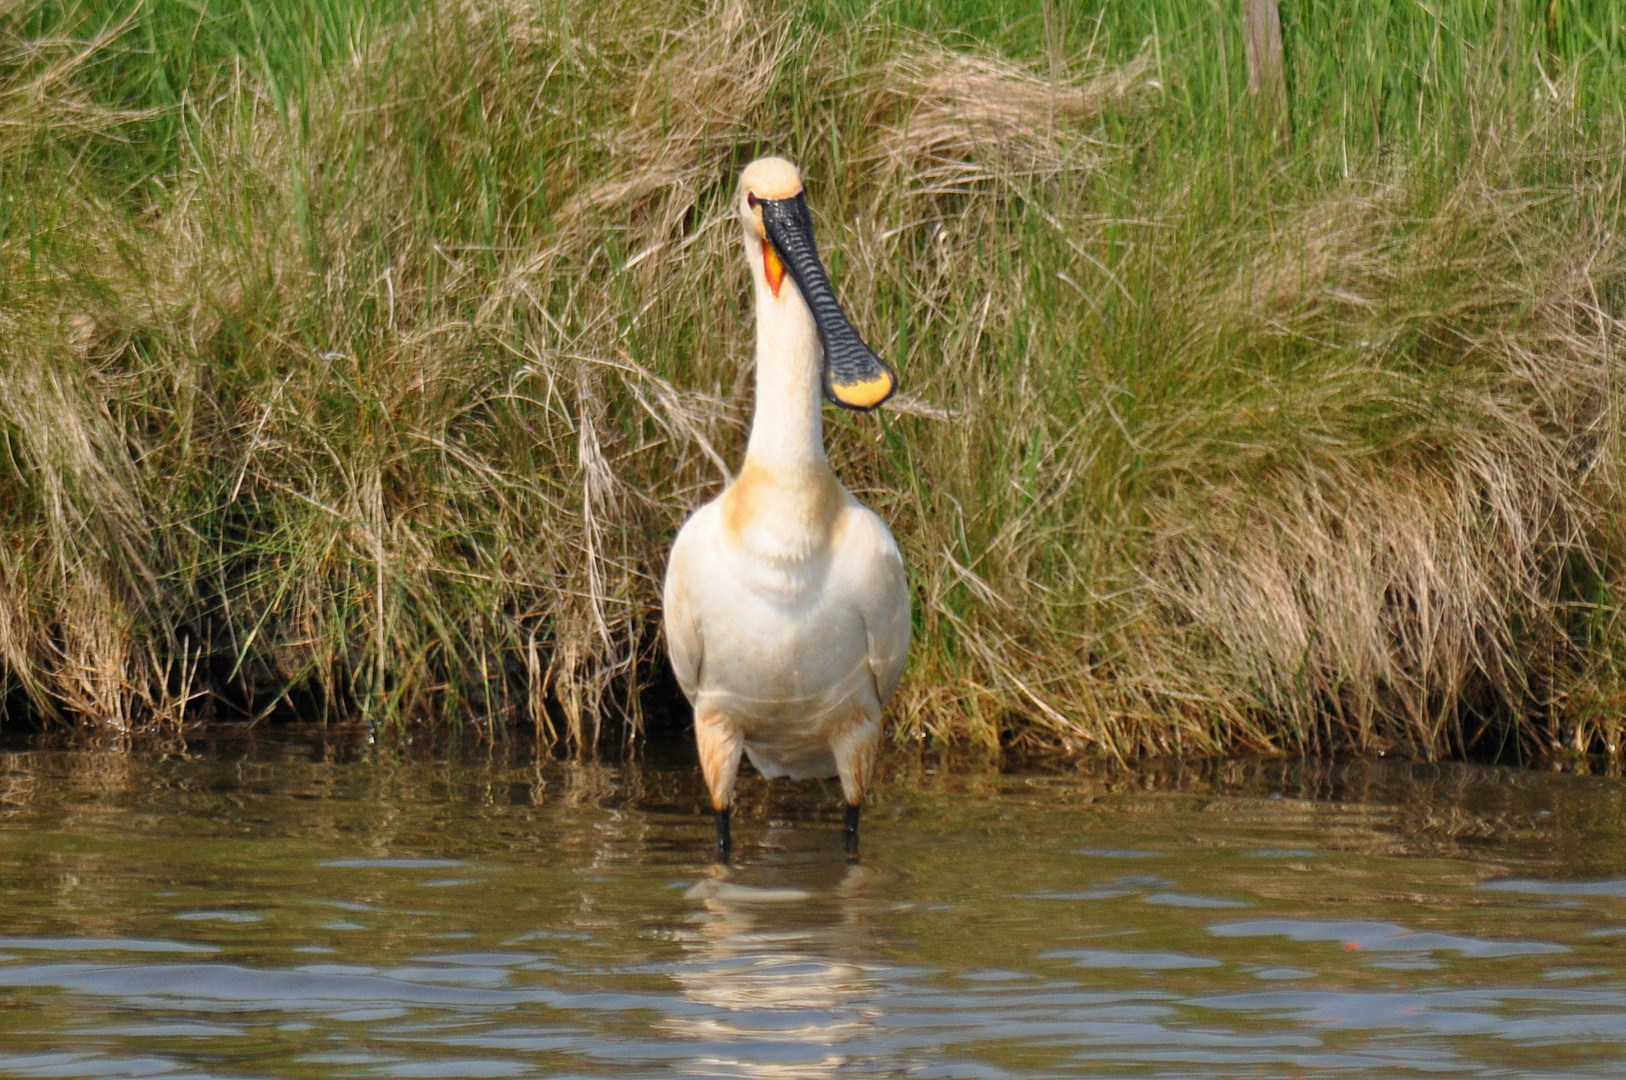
<point>362,359</point>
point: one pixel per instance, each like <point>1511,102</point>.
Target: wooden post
<point>1267,72</point>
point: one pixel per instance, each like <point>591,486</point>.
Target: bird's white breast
<point>772,580</point>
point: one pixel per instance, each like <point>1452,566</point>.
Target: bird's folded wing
<point>884,602</point>
<point>683,641</point>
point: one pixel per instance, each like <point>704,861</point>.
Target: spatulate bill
<point>854,377</point>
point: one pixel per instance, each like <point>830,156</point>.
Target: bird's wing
<point>683,643</point>
<point>883,598</point>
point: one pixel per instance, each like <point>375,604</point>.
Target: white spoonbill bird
<point>787,611</point>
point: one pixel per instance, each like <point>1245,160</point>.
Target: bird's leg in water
<point>725,840</point>
<point>855,745</point>
<point>717,737</point>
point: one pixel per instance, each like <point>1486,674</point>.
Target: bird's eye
<point>751,200</point>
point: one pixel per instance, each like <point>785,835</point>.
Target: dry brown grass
<point>949,123</point>
<point>394,396</point>
<point>681,118</point>
<point>1414,598</point>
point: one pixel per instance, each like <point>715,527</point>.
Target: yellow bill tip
<point>866,394</point>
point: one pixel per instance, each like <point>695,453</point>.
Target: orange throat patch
<point>772,268</point>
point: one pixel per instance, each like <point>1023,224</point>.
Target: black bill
<point>854,377</point>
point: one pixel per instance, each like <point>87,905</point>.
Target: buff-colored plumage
<point>787,610</point>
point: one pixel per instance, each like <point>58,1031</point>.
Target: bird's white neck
<point>787,429</point>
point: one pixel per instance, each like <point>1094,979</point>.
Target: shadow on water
<point>299,904</point>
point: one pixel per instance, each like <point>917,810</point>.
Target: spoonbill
<point>786,606</point>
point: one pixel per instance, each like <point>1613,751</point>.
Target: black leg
<point>849,833</point>
<point>724,840</point>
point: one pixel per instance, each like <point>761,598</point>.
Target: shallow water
<point>291,909</point>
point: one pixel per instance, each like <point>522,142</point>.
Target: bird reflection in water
<point>783,950</point>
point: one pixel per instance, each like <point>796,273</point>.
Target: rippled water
<point>291,909</point>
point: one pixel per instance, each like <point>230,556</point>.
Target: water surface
<point>293,908</point>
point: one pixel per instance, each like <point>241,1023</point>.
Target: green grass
<point>362,359</point>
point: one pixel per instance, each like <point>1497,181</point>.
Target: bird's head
<point>779,237</point>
